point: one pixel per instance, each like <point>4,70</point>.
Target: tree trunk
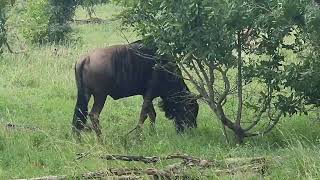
<point>239,135</point>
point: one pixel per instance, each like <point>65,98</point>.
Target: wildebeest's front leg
<point>152,115</point>
<point>145,111</point>
<point>97,107</point>
<point>143,115</point>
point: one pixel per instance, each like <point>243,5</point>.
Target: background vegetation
<point>37,89</point>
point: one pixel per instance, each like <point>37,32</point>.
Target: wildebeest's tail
<point>81,109</point>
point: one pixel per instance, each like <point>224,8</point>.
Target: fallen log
<point>91,21</point>
<point>11,126</point>
<point>93,176</point>
<point>153,159</point>
<point>229,166</point>
<point>121,173</point>
<point>187,160</point>
<point>193,161</point>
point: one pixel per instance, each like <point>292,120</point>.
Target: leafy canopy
<point>263,54</point>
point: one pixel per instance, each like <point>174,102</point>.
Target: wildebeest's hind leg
<point>80,114</point>
<point>99,101</point>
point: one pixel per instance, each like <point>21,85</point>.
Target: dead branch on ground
<point>228,166</point>
<point>91,21</point>
<point>118,173</point>
<point>11,126</point>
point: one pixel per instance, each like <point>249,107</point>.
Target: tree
<point>2,26</point>
<point>236,53</point>
<point>45,21</point>
<point>89,5</point>
<point>3,18</point>
<point>61,12</point>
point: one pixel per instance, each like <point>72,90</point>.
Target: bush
<point>35,21</point>
<point>47,20</point>
<point>89,5</point>
<point>61,12</point>
<point>2,30</point>
<point>3,18</point>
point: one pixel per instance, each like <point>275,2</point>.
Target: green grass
<point>37,89</point>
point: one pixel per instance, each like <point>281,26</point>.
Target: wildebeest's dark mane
<point>147,52</point>
<point>142,50</point>
<point>126,69</point>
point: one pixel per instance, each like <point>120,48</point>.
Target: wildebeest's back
<point>131,72</point>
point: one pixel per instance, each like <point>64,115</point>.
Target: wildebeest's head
<point>183,110</point>
<point>178,103</point>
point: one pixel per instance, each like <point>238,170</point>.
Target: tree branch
<point>8,46</point>
<point>199,85</point>
<point>227,166</point>
<point>226,83</point>
<point>211,79</point>
<point>263,109</point>
<point>274,122</point>
<point>143,159</point>
<point>239,82</point>
<point>202,70</point>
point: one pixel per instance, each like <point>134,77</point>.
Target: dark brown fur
<point>126,70</point>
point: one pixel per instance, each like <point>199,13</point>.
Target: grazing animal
<point>121,71</point>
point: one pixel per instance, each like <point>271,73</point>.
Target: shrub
<point>3,18</point>
<point>35,20</point>
<point>61,12</point>
<point>47,20</point>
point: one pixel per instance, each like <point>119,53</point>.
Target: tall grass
<point>37,89</point>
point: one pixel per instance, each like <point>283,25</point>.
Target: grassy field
<point>37,89</point>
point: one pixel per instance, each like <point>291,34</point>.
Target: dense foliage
<point>90,4</point>
<point>3,38</point>
<point>35,21</point>
<point>42,21</point>
<point>240,53</point>
<point>61,12</point>
<point>47,20</point>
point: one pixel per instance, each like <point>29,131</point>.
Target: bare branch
<point>143,159</point>
<point>263,109</point>
<point>197,71</point>
<point>199,85</point>
<point>8,46</point>
<point>217,108</point>
<point>239,82</point>
<point>227,85</point>
<point>211,67</point>
<point>273,123</point>
<point>209,79</point>
<point>20,127</point>
<point>202,70</point>
<point>227,166</point>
